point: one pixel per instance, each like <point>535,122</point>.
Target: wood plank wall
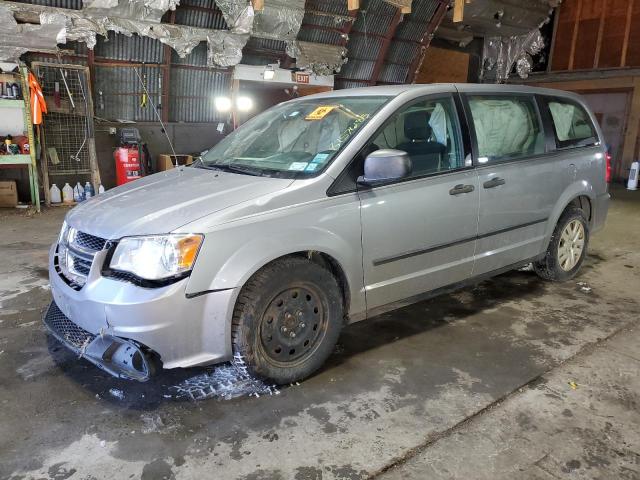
<point>594,34</point>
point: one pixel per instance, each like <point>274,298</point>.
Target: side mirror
<point>383,166</point>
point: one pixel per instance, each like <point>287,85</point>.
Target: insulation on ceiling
<point>279,20</point>
<point>321,59</point>
<point>18,39</point>
<point>500,54</point>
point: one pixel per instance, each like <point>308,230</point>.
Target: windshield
<point>293,139</point>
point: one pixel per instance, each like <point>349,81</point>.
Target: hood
<point>163,202</point>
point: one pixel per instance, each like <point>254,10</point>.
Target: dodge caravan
<point>322,211</point>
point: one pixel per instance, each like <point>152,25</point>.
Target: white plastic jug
<point>78,192</point>
<point>632,183</point>
<point>67,194</point>
<point>100,189</point>
<point>54,194</point>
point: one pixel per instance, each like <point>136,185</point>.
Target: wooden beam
<point>258,5</point>
<point>165,76</point>
<point>353,5</point>
<point>458,11</point>
<point>632,130</point>
<point>627,31</point>
<point>596,56</point>
<point>384,48</point>
<point>574,37</point>
<point>556,22</point>
<point>426,39</point>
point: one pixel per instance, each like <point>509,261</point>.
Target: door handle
<point>461,188</point>
<point>494,182</point>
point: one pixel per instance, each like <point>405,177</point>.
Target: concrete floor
<point>516,378</point>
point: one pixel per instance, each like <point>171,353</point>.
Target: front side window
<point>428,131</point>
<point>293,139</point>
<point>571,123</point>
<point>506,127</point>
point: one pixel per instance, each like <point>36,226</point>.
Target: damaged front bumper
<point>117,356</point>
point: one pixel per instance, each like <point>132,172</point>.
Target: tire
<point>287,320</point>
<point>555,265</point>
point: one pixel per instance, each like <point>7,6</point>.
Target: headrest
<point>416,126</point>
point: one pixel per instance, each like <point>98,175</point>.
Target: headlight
<point>156,257</point>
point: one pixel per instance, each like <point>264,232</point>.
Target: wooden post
<point>458,11</point>
<point>165,75</point>
<point>556,22</point>
<point>353,5</point>
<point>258,5</point>
<point>632,130</point>
<point>32,167</point>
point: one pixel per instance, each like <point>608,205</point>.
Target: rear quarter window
<point>572,126</point>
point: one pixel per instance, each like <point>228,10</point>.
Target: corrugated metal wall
<point>192,93</point>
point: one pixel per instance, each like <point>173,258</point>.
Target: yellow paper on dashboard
<point>320,112</point>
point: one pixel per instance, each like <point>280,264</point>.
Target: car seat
<point>426,155</point>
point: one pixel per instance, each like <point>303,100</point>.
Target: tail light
<point>607,175</point>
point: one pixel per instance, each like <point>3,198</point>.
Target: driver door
<point>419,233</point>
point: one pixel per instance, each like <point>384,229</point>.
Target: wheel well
<point>582,202</point>
<point>329,263</point>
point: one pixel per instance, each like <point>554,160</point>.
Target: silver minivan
<point>322,211</point>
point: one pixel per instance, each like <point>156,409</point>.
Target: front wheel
<point>287,320</point>
<point>567,248</point>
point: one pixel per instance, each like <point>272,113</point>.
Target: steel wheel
<point>293,325</point>
<point>571,245</point>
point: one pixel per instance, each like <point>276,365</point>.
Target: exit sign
<point>301,77</point>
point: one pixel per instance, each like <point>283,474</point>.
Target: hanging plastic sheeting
<point>225,49</point>
<point>18,39</point>
<point>83,25</point>
<point>320,58</point>
<point>500,54</point>
<point>238,15</point>
<point>149,10</point>
<point>279,20</point>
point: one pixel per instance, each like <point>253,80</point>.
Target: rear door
<point>419,233</point>
<point>519,182</point>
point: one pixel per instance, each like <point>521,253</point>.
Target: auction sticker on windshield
<point>298,166</point>
<point>320,112</point>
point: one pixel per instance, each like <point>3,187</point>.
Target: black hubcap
<point>292,325</point>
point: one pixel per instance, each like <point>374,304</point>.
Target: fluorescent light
<point>244,104</point>
<point>223,104</point>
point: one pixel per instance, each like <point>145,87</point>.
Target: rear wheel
<point>567,248</point>
<point>287,320</point>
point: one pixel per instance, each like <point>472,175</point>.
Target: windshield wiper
<point>256,172</point>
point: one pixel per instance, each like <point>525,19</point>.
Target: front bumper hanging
<point>117,356</point>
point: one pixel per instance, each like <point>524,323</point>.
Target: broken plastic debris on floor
<point>225,382</point>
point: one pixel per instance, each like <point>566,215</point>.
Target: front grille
<point>65,329</point>
<point>81,265</point>
<point>75,255</point>
<point>89,242</point>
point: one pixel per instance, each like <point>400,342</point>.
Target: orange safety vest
<point>38,105</point>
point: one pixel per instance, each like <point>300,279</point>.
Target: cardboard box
<point>166,161</point>
<point>8,193</point>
